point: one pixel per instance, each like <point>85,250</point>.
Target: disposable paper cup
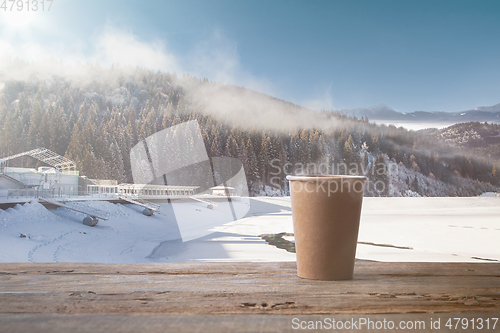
<point>326,211</point>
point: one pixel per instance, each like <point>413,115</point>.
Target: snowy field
<point>392,229</point>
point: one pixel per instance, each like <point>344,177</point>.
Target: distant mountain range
<point>383,113</point>
<point>494,108</point>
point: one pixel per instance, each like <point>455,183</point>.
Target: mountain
<point>383,113</point>
<point>494,108</point>
<point>472,135</point>
<point>379,111</point>
<point>97,120</point>
<point>474,138</point>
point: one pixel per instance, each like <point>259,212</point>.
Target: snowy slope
<point>59,235</point>
<point>391,229</point>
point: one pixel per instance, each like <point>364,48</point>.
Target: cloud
<point>215,58</point>
<point>322,101</point>
<point>121,47</point>
<point>111,46</point>
<point>12,21</point>
<point>248,109</point>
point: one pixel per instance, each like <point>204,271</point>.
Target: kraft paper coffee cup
<point>326,211</point>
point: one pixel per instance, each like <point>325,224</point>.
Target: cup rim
<point>323,177</point>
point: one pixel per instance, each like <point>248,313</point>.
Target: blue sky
<point>412,55</point>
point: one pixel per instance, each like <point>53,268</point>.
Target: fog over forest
<point>95,115</point>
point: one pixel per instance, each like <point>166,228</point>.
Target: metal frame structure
<point>145,190</point>
<point>44,155</point>
<point>95,214</point>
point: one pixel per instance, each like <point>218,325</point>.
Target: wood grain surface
<point>45,291</point>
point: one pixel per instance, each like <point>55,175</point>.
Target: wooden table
<point>241,297</point>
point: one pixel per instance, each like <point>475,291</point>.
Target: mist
<point>115,54</point>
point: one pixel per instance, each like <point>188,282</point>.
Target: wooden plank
<point>161,323</point>
<point>238,297</point>
<point>246,288</point>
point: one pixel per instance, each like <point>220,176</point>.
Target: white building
<point>223,191</point>
<point>32,182</point>
<point>60,178</point>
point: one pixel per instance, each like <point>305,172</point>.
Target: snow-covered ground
<point>392,229</point>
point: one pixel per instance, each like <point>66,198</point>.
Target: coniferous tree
<point>414,186</point>
<point>44,128</point>
<point>104,119</point>
<point>34,127</point>
<point>59,132</point>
